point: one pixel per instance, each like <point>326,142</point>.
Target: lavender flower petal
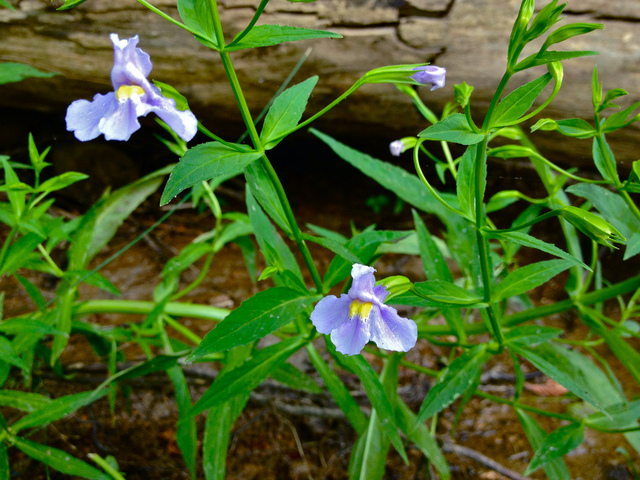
<point>84,118</point>
<point>330,313</point>
<point>183,122</point>
<point>391,331</point>
<point>122,122</point>
<point>363,283</point>
<point>351,337</point>
<point>131,65</point>
<point>430,75</point>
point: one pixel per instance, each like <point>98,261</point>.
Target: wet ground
<point>284,434</point>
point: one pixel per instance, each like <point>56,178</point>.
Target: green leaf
<point>286,112</point>
<point>568,31</point>
<point>453,128</point>
<point>263,190</point>
<point>571,370</point>
<point>275,250</point>
<point>204,162</point>
<point>466,182</point>
<point>57,409</point>
<point>550,57</point>
<point>61,181</point>
<point>267,35</point>
<point>528,277</point>
<point>8,354</point>
<point>556,468</point>
<point>20,253</point>
<point>260,315</point>
<point>249,375</point>
<point>338,391</point>
<point>289,375</point>
<point>605,160</point>
<point>446,293</point>
<point>16,72</point>
<point>187,433</point>
<point>419,434</point>
<point>376,394</point>
<point>531,334</point>
<point>33,291</point>
<point>454,382</point>
<point>220,420</point>
<point>620,119</point>
<point>335,247</point>
<point>25,401</point>
<point>404,184</point>
<point>197,15</point>
<point>620,415</point>
<point>100,223</point>
<point>518,102</point>
<point>17,198</point>
<point>526,240</point>
<point>58,460</point>
<point>363,246</point>
<point>557,444</point>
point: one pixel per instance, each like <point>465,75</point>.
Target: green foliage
<point>16,72</point>
<point>268,35</point>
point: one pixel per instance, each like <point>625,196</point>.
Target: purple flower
<point>396,147</point>
<point>361,315</point>
<point>430,75</point>
<point>116,114</point>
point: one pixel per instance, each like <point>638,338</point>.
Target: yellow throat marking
<point>360,309</point>
<point>128,91</point>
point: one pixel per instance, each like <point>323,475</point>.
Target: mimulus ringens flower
<point>361,315</point>
<point>116,114</point>
<point>430,75</point>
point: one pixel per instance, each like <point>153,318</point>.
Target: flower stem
<point>255,139</point>
<point>483,243</point>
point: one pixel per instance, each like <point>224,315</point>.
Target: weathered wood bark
<point>468,37</point>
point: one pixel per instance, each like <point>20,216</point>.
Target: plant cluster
<point>483,300</point>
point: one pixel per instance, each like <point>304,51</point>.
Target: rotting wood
<point>468,37</point>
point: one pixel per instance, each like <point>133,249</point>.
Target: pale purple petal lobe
<point>84,117</point>
<point>390,331</point>
<point>351,337</point>
<point>122,122</point>
<point>330,313</point>
<point>363,283</point>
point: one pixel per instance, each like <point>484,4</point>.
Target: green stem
<point>416,162</point>
<point>197,281</point>
<point>255,139</point>
<point>494,101</point>
<point>253,21</point>
<point>483,243</point>
<point>58,273</point>
<point>175,309</point>
<point>551,214</point>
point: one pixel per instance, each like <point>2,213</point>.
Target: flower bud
<point>430,75</point>
<point>399,146</point>
<point>593,226</point>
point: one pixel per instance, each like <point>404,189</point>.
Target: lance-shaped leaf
<point>267,35</point>
<point>453,128</point>
<point>446,293</point>
<point>572,370</point>
<point>516,104</point>
<point>528,277</point>
<point>555,468</point>
<point>249,375</point>
<point>196,14</point>
<point>454,382</point>
<point>204,162</point>
<point>257,317</point>
<point>286,112</point>
<point>405,185</point>
<point>376,394</point>
<point>59,460</point>
<point>557,444</point>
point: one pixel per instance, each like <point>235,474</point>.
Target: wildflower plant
<point>477,305</point>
